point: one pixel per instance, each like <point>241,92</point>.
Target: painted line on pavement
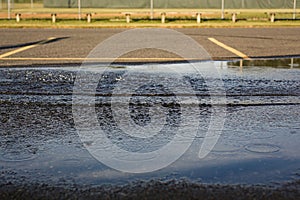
<point>26,47</point>
<point>228,48</point>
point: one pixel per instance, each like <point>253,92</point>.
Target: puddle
<point>259,141</point>
<point>282,63</point>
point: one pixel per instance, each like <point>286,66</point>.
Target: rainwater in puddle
<point>258,144</point>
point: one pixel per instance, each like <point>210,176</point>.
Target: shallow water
<point>40,138</point>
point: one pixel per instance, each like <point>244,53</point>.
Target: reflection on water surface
<point>259,141</point>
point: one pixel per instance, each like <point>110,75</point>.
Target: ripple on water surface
<point>262,148</point>
<point>17,155</point>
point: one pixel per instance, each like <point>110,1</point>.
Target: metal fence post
<point>151,9</point>
<point>223,7</point>
<point>79,9</point>
<point>8,9</point>
<point>295,6</point>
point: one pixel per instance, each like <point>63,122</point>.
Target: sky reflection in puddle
<point>259,141</point>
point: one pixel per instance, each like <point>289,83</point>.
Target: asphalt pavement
<point>24,47</point>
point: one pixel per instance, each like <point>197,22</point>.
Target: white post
<point>79,9</point>
<point>151,9</point>
<point>163,17</point>
<point>89,17</point>
<point>18,17</point>
<point>198,18</point>
<point>295,5</point>
<point>234,17</point>
<point>223,7</point>
<point>272,19</point>
<point>31,2</point>
<point>8,9</point>
<point>53,15</point>
<point>127,15</point>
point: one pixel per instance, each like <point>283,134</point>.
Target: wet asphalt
<point>43,157</point>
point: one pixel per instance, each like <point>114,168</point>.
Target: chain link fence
<point>21,4</point>
<point>199,4</point>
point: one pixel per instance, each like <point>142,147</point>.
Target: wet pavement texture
<point>259,144</point>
